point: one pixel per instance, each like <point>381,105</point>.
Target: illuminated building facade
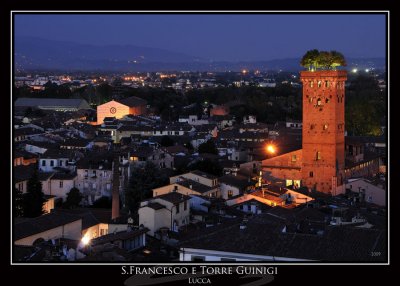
<point>320,164</point>
<point>119,108</point>
<point>323,130</point>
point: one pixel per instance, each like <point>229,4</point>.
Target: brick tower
<point>323,130</point>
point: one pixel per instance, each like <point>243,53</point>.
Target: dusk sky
<point>218,37</point>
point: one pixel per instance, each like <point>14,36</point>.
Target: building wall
<point>198,203</point>
<point>117,227</point>
<point>61,191</point>
<point>111,109</point>
<point>22,186</point>
<point>219,110</point>
<point>154,219</point>
<point>48,205</point>
<point>46,187</point>
<point>225,188</point>
<point>94,185</point>
<point>368,168</point>
<point>284,167</point>
<point>373,194</point>
<point>57,162</point>
<point>323,104</point>
<point>71,230</point>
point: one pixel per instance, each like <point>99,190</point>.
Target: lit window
<point>230,193</point>
<point>326,83</point>
<point>319,83</point>
<point>318,155</point>
<point>326,100</point>
<point>311,83</point>
<point>325,126</point>
<point>319,102</point>
<point>294,158</point>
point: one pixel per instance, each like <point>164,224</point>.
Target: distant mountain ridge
<point>32,53</point>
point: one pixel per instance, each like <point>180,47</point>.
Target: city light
<point>85,240</point>
<point>355,70</point>
<point>367,70</point>
<point>271,149</point>
<point>244,71</point>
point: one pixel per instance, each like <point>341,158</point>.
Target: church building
<point>119,108</point>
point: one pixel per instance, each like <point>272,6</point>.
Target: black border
<point>95,274</point>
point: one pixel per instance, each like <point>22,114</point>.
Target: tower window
<point>294,158</point>
<point>325,127</point>
<point>319,83</point>
<point>311,83</point>
<point>311,174</point>
<point>318,157</point>
<point>326,83</point>
<point>319,101</point>
<point>326,100</point>
<point>310,99</point>
<point>312,126</point>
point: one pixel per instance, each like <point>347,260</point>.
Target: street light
<point>271,149</point>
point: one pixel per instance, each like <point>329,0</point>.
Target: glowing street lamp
<point>271,149</point>
<point>85,240</point>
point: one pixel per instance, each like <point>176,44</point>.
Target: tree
<point>309,60</point>
<point>103,203</point>
<point>74,198</point>
<point>314,59</point>
<point>34,197</point>
<point>208,147</point>
<point>337,59</point>
<point>143,180</point>
<point>324,60</point>
<point>208,166</point>
<point>18,206</point>
<point>166,141</point>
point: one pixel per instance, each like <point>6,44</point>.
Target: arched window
<point>318,155</point>
<point>325,127</point>
<point>326,83</point>
<point>311,83</point>
<point>319,102</point>
<point>319,83</point>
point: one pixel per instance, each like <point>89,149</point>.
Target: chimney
<point>115,190</point>
<point>175,189</point>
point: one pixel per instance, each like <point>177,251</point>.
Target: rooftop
<point>173,197</point>
<point>42,223</point>
<point>132,101</point>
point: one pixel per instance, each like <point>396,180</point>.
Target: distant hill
<point>40,54</point>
